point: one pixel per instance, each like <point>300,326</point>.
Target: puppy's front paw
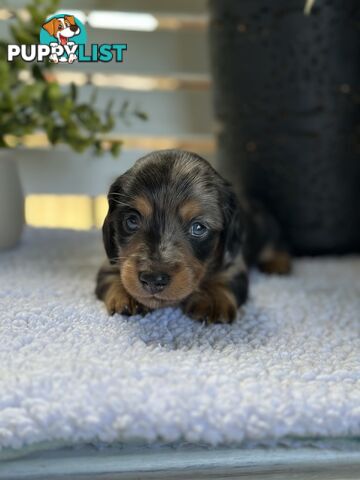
<point>213,306</point>
<point>117,300</point>
<point>72,58</point>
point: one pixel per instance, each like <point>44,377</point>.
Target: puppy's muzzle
<point>154,282</point>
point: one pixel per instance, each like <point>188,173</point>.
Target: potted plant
<point>31,100</point>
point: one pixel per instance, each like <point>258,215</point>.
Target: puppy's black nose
<point>154,282</point>
<point>73,28</point>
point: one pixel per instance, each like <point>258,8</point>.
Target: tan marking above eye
<point>143,206</point>
<point>190,209</point>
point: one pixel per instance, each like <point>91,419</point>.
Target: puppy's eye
<point>132,223</point>
<point>60,27</point>
<point>197,229</point>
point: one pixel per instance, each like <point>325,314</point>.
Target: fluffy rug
<point>288,368</point>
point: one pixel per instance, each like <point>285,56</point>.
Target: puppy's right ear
<point>71,19</point>
<point>108,229</point>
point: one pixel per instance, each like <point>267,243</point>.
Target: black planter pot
<point>287,104</point>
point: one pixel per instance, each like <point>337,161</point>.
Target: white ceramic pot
<point>11,201</point>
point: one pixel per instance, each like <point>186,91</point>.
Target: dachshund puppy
<point>176,234</point>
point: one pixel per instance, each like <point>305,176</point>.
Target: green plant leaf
<point>141,115</point>
<point>73,92</point>
<point>42,104</point>
<point>115,148</point>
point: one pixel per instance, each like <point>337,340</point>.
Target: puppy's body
<point>176,234</point>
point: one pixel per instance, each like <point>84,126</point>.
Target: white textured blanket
<point>289,367</point>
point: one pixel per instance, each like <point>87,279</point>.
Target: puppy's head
<point>62,28</point>
<point>172,220</point>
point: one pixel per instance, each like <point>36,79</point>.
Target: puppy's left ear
<point>234,224</point>
<point>70,18</point>
<point>108,229</point>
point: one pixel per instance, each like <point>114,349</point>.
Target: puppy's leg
<point>265,246</point>
<point>111,291</point>
<point>53,57</point>
<point>72,58</point>
<point>213,303</point>
<point>239,285</point>
<point>275,260</point>
<point>218,299</point>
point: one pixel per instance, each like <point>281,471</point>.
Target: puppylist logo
<point>63,40</point>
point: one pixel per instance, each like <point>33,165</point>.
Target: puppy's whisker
<point>116,195</point>
<point>119,257</point>
<point>121,203</point>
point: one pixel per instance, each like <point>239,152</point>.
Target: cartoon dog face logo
<point>63,29</point>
